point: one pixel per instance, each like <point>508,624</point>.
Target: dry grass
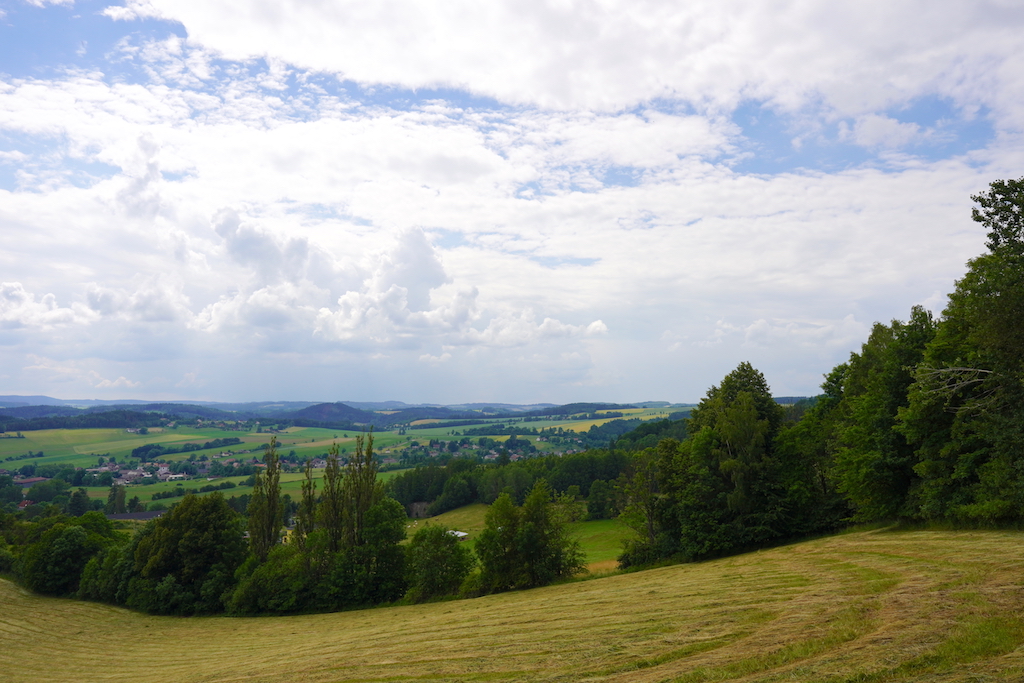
<point>870,606</point>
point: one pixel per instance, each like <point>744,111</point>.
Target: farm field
<point>82,447</point>
<point>291,483</point>
<point>867,606</point>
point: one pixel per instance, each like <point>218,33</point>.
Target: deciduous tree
<point>265,517</point>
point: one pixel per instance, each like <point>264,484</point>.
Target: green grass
<point>291,483</point>
<point>601,539</point>
<point>602,542</point>
<point>892,607</point>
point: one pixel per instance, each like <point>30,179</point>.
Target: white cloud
<point>201,217</point>
<point>148,300</point>
<point>119,383</point>
<point>132,10</point>
<point>854,56</point>
<point>19,308</point>
<point>403,303</point>
<point>873,130</point>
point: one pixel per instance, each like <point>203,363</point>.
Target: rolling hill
<point>867,606</point>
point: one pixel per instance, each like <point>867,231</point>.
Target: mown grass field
<point>865,607</point>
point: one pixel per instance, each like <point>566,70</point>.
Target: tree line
<point>922,425</point>
<point>590,476</point>
<point>345,551</point>
<point>154,451</point>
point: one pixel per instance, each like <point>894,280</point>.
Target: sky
<point>529,201</point>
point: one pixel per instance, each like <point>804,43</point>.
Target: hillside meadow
<point>867,606</point>
<point>601,540</point>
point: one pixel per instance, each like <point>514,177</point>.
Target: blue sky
<point>513,202</point>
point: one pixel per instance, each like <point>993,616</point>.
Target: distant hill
<point>182,409</point>
<point>356,415</point>
<point>16,401</point>
<point>574,408</point>
<point>331,413</point>
<point>342,414</point>
<point>29,412</point>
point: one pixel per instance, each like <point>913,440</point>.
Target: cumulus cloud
<point>402,303</point>
<point>19,308</point>
<point>151,300</point>
<point>856,56</point>
<point>120,382</point>
<point>271,191</point>
<point>882,131</point>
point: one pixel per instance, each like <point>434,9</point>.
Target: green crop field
<point>869,607</point>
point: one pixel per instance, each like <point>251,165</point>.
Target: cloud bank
<point>548,201</point>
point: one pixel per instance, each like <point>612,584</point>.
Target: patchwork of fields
<point>867,606</point>
<point>82,447</point>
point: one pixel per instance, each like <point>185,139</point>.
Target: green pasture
<point>601,539</point>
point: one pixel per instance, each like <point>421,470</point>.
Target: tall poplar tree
<point>360,490</point>
<point>305,518</point>
<point>331,511</point>
<point>265,514</point>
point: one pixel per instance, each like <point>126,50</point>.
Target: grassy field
<point>601,540</point>
<point>291,483</point>
<point>469,519</point>
<point>868,607</point>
